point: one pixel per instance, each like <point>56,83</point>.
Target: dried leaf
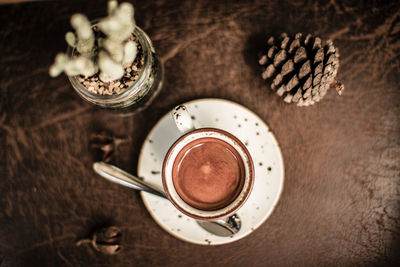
<point>105,240</point>
<point>105,144</point>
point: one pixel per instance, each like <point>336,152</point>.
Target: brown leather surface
<point>341,200</point>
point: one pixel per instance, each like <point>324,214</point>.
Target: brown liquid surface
<point>208,174</point>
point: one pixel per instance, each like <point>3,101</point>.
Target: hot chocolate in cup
<point>207,173</point>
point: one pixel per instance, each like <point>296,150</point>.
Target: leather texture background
<point>341,200</point>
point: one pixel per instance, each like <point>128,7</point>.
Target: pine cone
<point>301,69</point>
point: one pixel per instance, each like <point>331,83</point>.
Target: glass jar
<point>139,95</point>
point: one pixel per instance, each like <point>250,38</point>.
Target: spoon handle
<point>121,177</point>
<point>223,227</point>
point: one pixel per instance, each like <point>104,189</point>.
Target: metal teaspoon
<point>222,227</point>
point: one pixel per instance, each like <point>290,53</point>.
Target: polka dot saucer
<point>262,145</point>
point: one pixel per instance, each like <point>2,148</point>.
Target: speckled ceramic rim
<point>172,193</point>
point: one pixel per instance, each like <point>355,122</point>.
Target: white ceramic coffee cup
<point>184,123</point>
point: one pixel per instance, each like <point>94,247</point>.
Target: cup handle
<point>182,119</point>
